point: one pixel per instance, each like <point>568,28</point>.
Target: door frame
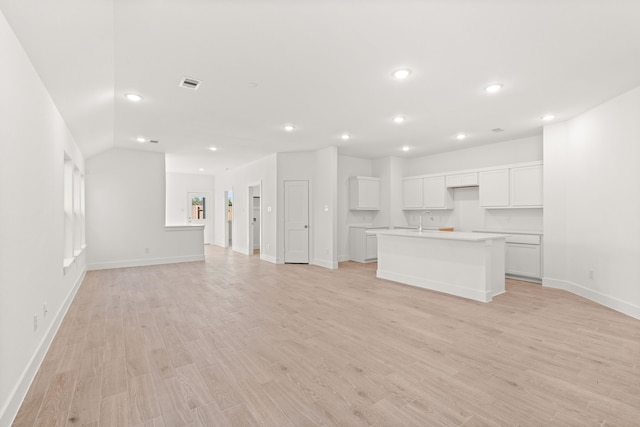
<point>250,195</point>
<point>225,206</point>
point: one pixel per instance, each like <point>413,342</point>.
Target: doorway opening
<point>255,220</point>
<point>198,212</point>
<point>228,223</point>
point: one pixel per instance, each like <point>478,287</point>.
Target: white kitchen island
<point>469,265</point>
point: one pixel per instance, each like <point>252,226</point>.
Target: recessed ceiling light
<point>141,139</point>
<point>289,128</point>
<point>548,117</point>
<point>399,119</point>
<point>493,88</point>
<point>406,148</point>
<point>461,136</point>
<point>133,97</point>
<point>213,148</point>
<point>345,136</point>
<point>201,170</point>
<point>402,73</point>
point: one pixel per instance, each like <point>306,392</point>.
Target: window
<point>198,208</point>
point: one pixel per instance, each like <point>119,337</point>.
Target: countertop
<point>443,235</point>
<point>494,230</point>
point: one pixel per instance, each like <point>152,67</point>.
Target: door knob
<point>306,226</point>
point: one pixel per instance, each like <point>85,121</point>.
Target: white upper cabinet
<point>462,180</point>
<point>494,188</point>
<point>435,194</point>
<point>364,193</point>
<point>412,193</point>
<point>426,193</point>
<point>516,187</point>
<point>526,186</point>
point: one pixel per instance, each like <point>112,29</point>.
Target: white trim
<point>193,227</point>
<point>19,392</point>
<point>268,258</point>
<point>484,169</point>
<point>343,258</point>
<point>326,264</point>
<point>608,301</point>
<point>432,285</point>
<point>143,262</point>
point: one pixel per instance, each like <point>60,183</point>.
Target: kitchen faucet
<point>420,217</point>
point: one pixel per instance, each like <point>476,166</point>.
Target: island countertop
<point>435,234</point>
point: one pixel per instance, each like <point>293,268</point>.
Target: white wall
<point>320,168</point>
<point>592,204</point>
<point>467,214</point>
<point>177,210</point>
<point>502,153</point>
<point>325,208</point>
<point>262,172</point>
<point>291,167</point>
<point>33,140</point>
<point>126,213</point>
<point>349,166</point>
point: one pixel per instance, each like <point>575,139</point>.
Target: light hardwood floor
<point>238,341</point>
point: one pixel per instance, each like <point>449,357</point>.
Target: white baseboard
<point>143,262</point>
<point>268,258</point>
<point>343,258</point>
<point>12,406</point>
<point>432,285</point>
<point>595,296</point>
<point>324,263</point>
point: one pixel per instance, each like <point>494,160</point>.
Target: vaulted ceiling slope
<point>326,68</point>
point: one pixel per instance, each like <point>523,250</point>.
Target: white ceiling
<point>324,66</point>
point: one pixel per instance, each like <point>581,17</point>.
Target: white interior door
<point>296,222</point>
<point>198,211</point>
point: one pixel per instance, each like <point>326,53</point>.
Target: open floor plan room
<point>239,341</point>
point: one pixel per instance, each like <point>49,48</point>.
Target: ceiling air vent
<point>497,130</point>
<point>189,83</point>
<point>154,141</point>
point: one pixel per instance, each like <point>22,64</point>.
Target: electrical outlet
<point>45,310</point>
<point>268,246</point>
<point>147,250</point>
<point>35,322</point>
<point>591,274</point>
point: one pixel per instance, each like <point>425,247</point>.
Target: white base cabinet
<point>523,255</point>
<point>363,247</point>
<point>523,260</point>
